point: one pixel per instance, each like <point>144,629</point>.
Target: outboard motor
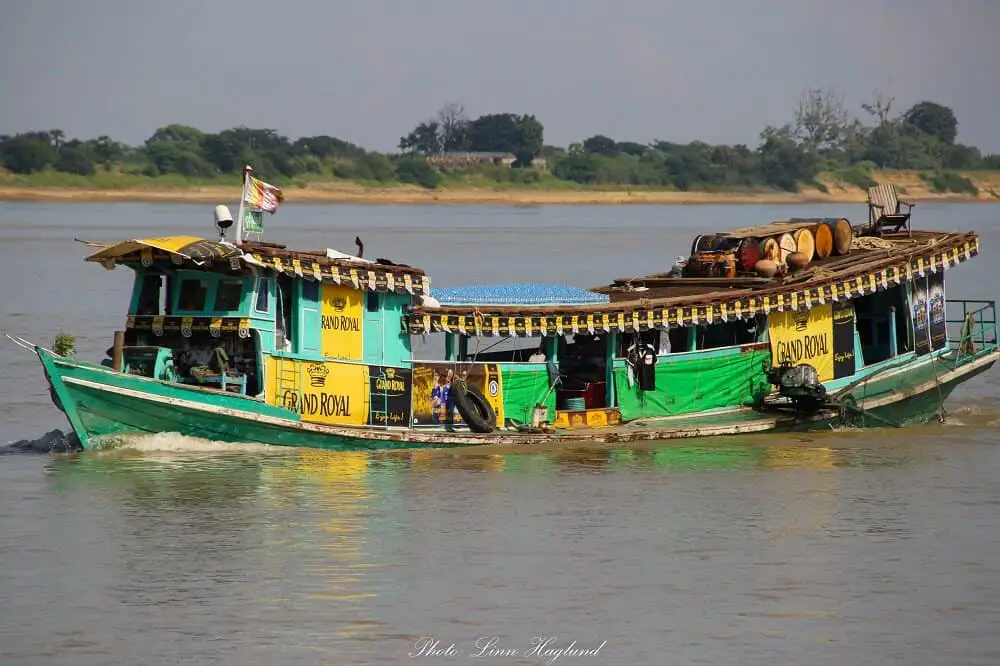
<point>800,384</point>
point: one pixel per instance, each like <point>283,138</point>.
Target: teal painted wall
<point>310,323</point>
<point>385,343</point>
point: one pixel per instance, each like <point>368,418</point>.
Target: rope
<point>872,243</point>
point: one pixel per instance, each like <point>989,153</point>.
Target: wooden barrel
<point>725,265</point>
<point>748,254</point>
<point>770,250</point>
<point>786,242</point>
<point>703,243</point>
<point>842,236</point>
<point>822,241</point>
<point>702,264</point>
<point>805,243</point>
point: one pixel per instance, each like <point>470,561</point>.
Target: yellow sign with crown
<point>320,392</point>
<point>804,336</point>
<point>342,322</point>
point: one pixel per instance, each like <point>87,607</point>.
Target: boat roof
<point>872,265</point>
<point>520,294</point>
<point>328,265</point>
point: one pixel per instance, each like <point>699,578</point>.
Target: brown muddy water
<point>855,547</point>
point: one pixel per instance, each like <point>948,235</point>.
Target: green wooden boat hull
<point>101,403</point>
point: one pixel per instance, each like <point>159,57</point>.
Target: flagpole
<point>243,197</point>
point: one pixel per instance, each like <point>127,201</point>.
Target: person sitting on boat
<point>539,355</point>
<point>678,269</point>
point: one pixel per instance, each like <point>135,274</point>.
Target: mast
<point>247,170</point>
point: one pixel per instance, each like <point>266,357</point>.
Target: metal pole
<point>893,344</point>
<point>247,170</point>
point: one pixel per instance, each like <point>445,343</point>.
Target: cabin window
<point>371,301</point>
<point>727,334</point>
<point>263,295</point>
<point>310,291</point>
<point>880,317</point>
<point>193,293</point>
<point>228,295</point>
<point>150,295</point>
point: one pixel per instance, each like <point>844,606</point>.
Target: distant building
<point>467,159</point>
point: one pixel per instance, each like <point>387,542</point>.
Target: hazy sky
<point>368,70</point>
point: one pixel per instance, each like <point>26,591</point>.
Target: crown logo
<point>317,374</point>
<point>801,320</point>
<point>339,303</point>
<point>390,373</point>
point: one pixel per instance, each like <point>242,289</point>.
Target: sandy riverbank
<point>345,192</point>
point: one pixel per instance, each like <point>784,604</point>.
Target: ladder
<point>288,381</point>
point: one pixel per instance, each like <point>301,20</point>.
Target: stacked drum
<point>770,249</point>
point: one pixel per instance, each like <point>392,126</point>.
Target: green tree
<point>106,150</point>
<point>933,119</point>
<point>423,140</point>
<point>631,148</point>
<point>58,138</point>
<point>578,168</point>
<point>783,164</point>
<point>173,157</point>
<point>417,172</point>
<point>507,133</point>
<point>27,154</point>
<point>324,147</point>
<point>76,157</point>
<point>601,145</point>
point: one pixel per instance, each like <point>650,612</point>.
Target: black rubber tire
<point>476,411</point>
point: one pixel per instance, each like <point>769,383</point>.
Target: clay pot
<point>797,261</point>
<point>766,268</point>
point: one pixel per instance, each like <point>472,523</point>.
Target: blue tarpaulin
<point>518,294</point>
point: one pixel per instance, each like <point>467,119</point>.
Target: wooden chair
<point>884,209</point>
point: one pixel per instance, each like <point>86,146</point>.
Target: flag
<point>262,196</point>
<point>253,221</point>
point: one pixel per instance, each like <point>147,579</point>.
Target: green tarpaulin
<point>685,385</point>
<point>523,387</point>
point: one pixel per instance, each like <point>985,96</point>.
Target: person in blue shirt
<point>439,396</point>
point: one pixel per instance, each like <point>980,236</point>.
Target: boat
<point>790,325</point>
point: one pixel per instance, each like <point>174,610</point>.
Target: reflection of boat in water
<point>797,324</point>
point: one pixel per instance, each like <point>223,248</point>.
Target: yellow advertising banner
<point>330,393</point>
<point>804,336</point>
<point>432,389</point>
<point>342,316</point>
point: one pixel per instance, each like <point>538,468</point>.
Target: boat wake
<point>171,442</point>
<point>56,441</point>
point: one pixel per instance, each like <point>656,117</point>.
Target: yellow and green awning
<point>177,248</point>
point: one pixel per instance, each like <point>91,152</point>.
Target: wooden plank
<point>770,229</point>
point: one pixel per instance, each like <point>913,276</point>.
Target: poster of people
<point>918,313</point>
<point>432,380</point>
<point>935,308</point>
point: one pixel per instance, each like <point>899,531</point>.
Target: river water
<point>868,547</point>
